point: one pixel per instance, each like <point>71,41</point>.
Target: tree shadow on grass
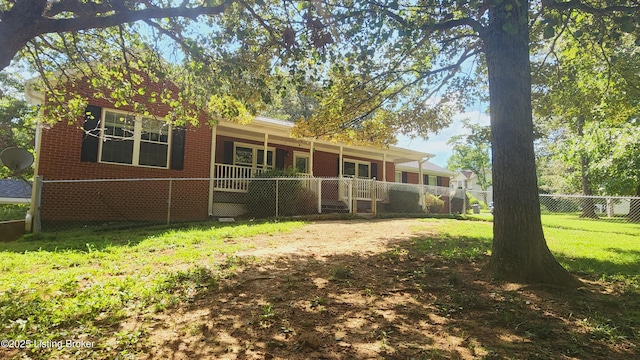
<point>406,302</point>
<point>419,297</point>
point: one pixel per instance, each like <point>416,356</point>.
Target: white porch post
<point>384,167</point>
<point>421,182</point>
<point>340,166</point>
<point>311,158</point>
<point>212,168</point>
<point>264,156</point>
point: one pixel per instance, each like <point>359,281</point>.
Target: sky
<point>437,143</point>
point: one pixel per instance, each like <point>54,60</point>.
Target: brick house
<point>116,143</point>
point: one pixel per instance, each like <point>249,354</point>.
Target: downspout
<point>34,98</point>
<point>264,155</point>
<point>212,167</point>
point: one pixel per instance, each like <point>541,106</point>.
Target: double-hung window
<point>134,140</point>
<point>252,156</point>
<point>356,168</point>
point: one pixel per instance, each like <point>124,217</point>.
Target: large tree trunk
<point>634,208</point>
<point>519,251</point>
<point>588,207</point>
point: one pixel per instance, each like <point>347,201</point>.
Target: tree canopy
<point>381,68</point>
<point>473,152</point>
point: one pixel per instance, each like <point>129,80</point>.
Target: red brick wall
<point>391,172</point>
<point>412,178</point>
<point>59,159</point>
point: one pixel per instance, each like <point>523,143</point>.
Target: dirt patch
<point>361,289</point>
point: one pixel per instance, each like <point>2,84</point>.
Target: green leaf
<point>549,32</point>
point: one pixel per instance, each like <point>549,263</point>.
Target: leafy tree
<point>472,152</point>
<point>615,154</point>
<point>585,82</point>
<point>382,68</point>
<point>17,127</point>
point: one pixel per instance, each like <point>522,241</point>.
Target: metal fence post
<point>169,202</point>
<point>277,198</point>
<point>319,192</point>
<point>349,195</point>
<point>36,225</point>
<point>374,197</point>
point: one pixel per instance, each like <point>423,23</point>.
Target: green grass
<point>598,248</point>
<point>13,211</point>
<point>77,283</point>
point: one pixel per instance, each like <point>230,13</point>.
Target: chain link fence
<point>129,202</point>
<point>612,208</point>
<point>125,202</point>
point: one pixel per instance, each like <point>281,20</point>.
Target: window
<point>398,176</point>
<point>301,162</point>
<point>353,168</point>
<point>433,180</point>
<point>251,156</point>
<point>134,140</point>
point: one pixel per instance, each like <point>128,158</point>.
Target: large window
<point>356,168</point>
<point>134,140</point>
<point>252,156</point>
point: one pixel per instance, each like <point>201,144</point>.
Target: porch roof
<point>279,131</point>
<point>427,168</point>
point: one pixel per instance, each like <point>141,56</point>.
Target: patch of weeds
<point>290,283</point>
<point>267,311</point>
<point>267,315</point>
<point>604,329</point>
<point>539,331</point>
<point>341,273</point>
<point>187,285</point>
<point>318,301</point>
<point>129,342</point>
<point>196,328</point>
<point>454,279</point>
<point>457,302</point>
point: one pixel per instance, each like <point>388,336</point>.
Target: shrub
<point>432,203</point>
<point>306,202</point>
<point>403,201</point>
<point>457,202</point>
<point>261,194</point>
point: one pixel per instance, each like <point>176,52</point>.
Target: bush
<point>403,201</point>
<point>432,204</point>
<point>261,194</point>
<point>306,202</point>
<point>457,201</point>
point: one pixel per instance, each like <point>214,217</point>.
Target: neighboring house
<point>119,144</point>
<point>432,174</point>
<point>467,179</point>
<point>15,191</point>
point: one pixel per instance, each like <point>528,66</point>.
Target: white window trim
<point>357,162</point>
<point>300,154</point>
<point>137,139</point>
<point>254,156</point>
<point>397,176</point>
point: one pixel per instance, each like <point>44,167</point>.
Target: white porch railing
<point>234,178</point>
<point>362,189</point>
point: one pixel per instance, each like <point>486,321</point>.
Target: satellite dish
<point>16,159</point>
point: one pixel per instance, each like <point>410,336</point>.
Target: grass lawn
<point>73,284</point>
<point>584,246</point>
<point>83,284</point>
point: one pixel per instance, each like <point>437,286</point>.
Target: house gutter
<point>212,167</point>
<point>34,98</point>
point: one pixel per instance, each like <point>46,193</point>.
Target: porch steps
<point>334,207</point>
